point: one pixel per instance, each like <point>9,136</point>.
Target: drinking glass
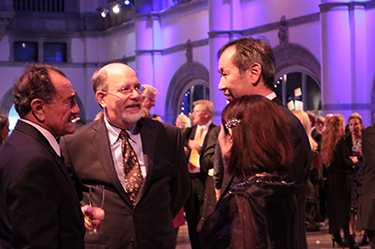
<point>96,198</point>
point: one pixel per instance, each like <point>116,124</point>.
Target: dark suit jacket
<point>366,212</point>
<point>39,207</point>
<point>205,164</point>
<point>299,168</point>
<point>149,224</point>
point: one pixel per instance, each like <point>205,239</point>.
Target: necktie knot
<point>124,134</point>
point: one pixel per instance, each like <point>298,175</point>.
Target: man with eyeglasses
<point>149,95</point>
<point>140,207</point>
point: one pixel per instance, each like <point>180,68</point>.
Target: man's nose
<point>221,85</point>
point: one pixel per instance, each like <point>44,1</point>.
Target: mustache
<point>134,104</point>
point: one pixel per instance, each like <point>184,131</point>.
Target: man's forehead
<point>226,57</point>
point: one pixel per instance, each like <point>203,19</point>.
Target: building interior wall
<point>155,44</point>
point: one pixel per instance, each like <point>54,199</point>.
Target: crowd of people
<point>260,179</point>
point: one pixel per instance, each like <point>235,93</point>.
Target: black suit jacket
<point>299,168</point>
<point>39,207</point>
<point>166,187</point>
<point>366,212</point>
<point>205,164</point>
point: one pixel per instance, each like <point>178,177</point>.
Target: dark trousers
<point>193,208</point>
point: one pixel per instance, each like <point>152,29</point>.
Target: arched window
<point>299,90</point>
<point>195,92</point>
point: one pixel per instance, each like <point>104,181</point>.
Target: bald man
<point>140,203</point>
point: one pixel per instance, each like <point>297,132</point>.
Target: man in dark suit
<point>366,212</point>
<point>39,207</point>
<point>247,67</point>
<point>196,143</point>
<point>138,215</point>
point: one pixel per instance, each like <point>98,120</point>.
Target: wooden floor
<point>315,240</point>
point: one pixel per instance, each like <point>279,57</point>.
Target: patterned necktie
<point>132,171</point>
<point>194,153</point>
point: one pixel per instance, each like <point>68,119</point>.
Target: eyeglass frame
<point>127,90</point>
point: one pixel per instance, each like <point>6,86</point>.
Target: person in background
<point>260,211</point>
<point>312,194</point>
<point>196,139</point>
<point>320,121</point>
<point>149,97</point>
<point>182,122</point>
<point>139,161</point>
<point>4,128</point>
<point>336,157</point>
<point>157,117</point>
<point>326,119</point>
<point>39,207</point>
<point>354,143</point>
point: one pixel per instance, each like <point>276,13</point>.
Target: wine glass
<point>96,198</point>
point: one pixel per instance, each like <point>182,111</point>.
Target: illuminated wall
<point>338,36</point>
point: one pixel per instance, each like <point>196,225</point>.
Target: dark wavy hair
<point>262,142</point>
<point>34,83</point>
<point>249,51</point>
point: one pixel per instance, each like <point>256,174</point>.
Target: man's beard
<point>131,117</point>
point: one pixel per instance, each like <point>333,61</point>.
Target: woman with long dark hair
<point>260,210</point>
<point>336,157</point>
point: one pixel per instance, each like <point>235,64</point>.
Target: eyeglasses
<point>128,90</point>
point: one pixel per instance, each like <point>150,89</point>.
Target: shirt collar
<point>48,135</point>
<point>114,132</point>
<point>205,126</point>
<point>271,96</point>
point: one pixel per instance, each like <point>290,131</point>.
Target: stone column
<point>224,25</point>
<point>343,53</point>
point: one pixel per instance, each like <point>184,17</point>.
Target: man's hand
<point>193,145</point>
<point>94,217</point>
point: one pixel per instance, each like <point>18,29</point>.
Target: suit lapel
<point>32,131</point>
<point>100,143</point>
<point>148,136</point>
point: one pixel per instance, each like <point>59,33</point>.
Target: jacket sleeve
<point>181,187</point>
<point>368,146</point>
<point>33,206</point>
<point>343,155</point>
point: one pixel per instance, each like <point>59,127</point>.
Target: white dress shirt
<point>115,143</point>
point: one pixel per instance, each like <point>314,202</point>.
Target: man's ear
<point>255,73</point>
<point>100,98</point>
<point>37,109</point>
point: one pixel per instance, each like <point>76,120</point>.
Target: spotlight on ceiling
<point>126,2</point>
<point>104,12</point>
<point>116,8</point>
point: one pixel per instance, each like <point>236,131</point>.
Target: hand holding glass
<point>96,198</point>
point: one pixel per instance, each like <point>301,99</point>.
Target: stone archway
<point>293,54</point>
<point>187,73</point>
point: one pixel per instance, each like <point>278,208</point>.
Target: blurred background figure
<point>156,117</point>
<point>4,128</point>
<point>354,143</point>
<point>326,119</point>
<point>149,97</point>
<point>196,140</point>
<point>265,196</point>
<point>182,122</point>
<point>319,125</point>
<point>336,157</point>
<point>312,190</point>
